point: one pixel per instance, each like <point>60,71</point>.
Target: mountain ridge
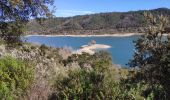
<point>93,24</point>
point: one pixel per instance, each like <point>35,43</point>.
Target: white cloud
<point>68,13</point>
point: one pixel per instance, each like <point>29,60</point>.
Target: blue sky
<point>65,8</point>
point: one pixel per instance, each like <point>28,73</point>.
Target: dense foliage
<point>11,32</point>
<point>152,56</point>
<point>86,59</point>
<point>82,84</point>
<point>23,9</point>
<point>14,14</point>
<point>15,78</point>
<point>100,81</point>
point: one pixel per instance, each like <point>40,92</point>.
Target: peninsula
<point>91,48</point>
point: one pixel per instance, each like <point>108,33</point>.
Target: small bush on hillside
<point>15,78</point>
<point>92,60</point>
<point>43,49</point>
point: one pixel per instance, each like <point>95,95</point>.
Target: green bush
<point>83,85</point>
<point>103,81</point>
<point>99,58</point>
<point>15,78</point>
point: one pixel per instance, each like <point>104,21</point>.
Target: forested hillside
<point>102,23</point>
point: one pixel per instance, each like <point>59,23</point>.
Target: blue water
<point>122,48</point>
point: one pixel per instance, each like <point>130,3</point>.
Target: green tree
<point>14,14</point>
<point>152,56</point>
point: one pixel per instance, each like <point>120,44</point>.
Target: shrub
<point>85,84</point>
<point>97,59</point>
<point>101,82</point>
<point>15,78</point>
<point>82,85</point>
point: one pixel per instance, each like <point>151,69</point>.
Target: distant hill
<point>101,23</point>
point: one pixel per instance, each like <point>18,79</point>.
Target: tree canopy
<point>152,56</point>
<point>23,9</point>
<point>15,13</point>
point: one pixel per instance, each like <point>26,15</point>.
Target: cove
<point>121,51</point>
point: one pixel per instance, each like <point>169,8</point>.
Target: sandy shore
<point>103,35</point>
<point>91,48</point>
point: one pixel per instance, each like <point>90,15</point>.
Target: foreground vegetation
<point>37,72</point>
<point>77,77</point>
<point>83,77</point>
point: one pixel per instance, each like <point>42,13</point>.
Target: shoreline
<point>103,35</point>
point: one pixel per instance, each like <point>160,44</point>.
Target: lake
<point>122,48</point>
